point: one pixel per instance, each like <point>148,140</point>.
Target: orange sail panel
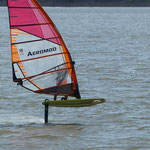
<point>41,61</point>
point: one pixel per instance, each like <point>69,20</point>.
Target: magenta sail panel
<point>48,32</point>
<point>21,16</point>
<point>26,16</point>
<point>34,30</point>
<point>43,31</point>
<point>19,3</point>
<point>55,41</point>
<point>41,19</point>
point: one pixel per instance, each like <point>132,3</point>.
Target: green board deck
<point>74,103</point>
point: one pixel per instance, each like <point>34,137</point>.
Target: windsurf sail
<point>41,61</point>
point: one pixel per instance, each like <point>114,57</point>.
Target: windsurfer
<point>20,82</point>
<point>63,98</point>
<point>55,97</point>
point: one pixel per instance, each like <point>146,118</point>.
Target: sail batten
<point>24,7</point>
<point>30,24</point>
<point>37,57</point>
<point>44,73</point>
<point>34,40</point>
<point>40,59</point>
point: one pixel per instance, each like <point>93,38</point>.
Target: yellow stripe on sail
<point>35,84</point>
<point>14,46</point>
<point>13,37</point>
<point>20,33</point>
<point>14,50</point>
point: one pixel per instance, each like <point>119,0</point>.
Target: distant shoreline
<point>91,3</point>
<point>84,6</point>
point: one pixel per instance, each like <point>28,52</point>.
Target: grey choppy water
<point>111,50</point>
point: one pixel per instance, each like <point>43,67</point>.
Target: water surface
<point>111,47</point>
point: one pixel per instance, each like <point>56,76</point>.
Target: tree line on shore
<point>91,3</point>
